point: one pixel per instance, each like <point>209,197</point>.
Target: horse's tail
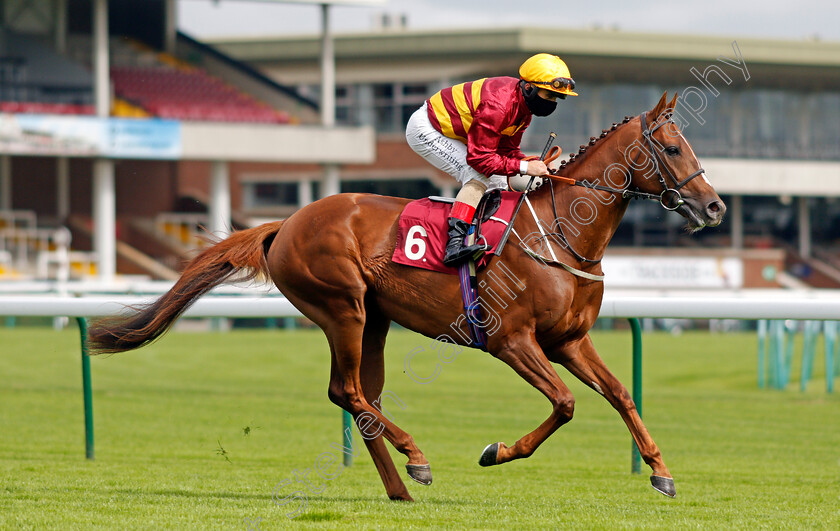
<point>242,252</point>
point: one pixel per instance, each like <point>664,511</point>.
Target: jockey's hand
<point>537,167</point>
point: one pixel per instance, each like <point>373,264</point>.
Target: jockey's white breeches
<point>444,153</point>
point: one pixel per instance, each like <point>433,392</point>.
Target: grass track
<point>172,450</point>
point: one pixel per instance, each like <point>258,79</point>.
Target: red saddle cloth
<point>421,235</point>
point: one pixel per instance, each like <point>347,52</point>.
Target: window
<point>411,189</point>
<point>257,195</point>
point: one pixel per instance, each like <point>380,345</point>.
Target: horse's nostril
<point>715,211</point>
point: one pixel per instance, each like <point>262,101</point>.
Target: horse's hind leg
<point>372,374</point>
<point>526,357</point>
<point>582,360</point>
<point>345,336</point>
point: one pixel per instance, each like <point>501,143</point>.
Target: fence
<point>27,251</point>
<point>776,352</point>
<point>817,306</point>
<point>182,228</point>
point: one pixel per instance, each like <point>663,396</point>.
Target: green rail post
<point>761,331</point>
<point>774,353</point>
<point>347,434</point>
<point>809,350</point>
<point>790,336</point>
<point>86,389</point>
<point>635,327</point>
<point>830,340</point>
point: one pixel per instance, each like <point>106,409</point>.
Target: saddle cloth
<point>422,232</point>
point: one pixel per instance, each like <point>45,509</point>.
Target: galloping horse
<point>332,260</point>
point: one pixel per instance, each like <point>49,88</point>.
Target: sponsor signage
<point>672,272</point>
<point>40,134</point>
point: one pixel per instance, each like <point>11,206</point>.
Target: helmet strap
<point>529,91</point>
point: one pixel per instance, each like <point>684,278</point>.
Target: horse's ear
<point>657,110</point>
<point>672,105</point>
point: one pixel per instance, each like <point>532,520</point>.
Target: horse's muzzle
<point>702,213</point>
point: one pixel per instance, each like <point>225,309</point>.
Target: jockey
<point>472,131</point>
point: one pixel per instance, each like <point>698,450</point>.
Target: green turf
<point>195,431</point>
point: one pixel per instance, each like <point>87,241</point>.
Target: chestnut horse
<point>332,260</point>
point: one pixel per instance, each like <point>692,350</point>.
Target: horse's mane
<point>574,157</point>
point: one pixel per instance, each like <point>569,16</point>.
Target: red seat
<point>189,95</point>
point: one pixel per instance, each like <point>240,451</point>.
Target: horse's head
<point>666,165</point>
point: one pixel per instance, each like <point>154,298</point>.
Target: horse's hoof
<point>663,485</point>
<point>488,456</point>
<point>422,474</point>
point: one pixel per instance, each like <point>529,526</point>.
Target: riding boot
<point>456,249</point>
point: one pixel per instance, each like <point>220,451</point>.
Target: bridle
<point>669,198</point>
<point>673,193</point>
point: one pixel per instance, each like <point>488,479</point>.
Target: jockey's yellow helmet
<point>549,72</point>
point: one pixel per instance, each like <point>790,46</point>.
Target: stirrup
<point>473,251</point>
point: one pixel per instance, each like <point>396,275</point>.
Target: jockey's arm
<point>509,146</point>
<point>491,153</point>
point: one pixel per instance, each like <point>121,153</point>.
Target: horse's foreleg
<point>526,357</point>
<point>582,360</point>
<point>372,374</point>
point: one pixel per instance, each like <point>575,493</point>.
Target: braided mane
<point>592,141</point>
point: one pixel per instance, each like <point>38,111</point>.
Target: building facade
<point>763,116</point>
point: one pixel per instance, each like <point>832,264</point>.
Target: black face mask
<point>537,105</point>
<point>541,107</point>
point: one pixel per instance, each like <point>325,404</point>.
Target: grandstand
<point>768,136</point>
<point>146,83</point>
<point>133,187</point>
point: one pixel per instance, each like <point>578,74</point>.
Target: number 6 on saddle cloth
<point>421,240</point>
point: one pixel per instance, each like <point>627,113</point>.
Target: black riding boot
<point>456,249</point>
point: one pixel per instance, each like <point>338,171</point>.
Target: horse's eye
<point>672,151</point>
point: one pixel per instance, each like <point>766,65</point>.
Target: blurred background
<point>128,128</point>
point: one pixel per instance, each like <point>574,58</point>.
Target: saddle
<point>489,204</point>
<point>421,232</point>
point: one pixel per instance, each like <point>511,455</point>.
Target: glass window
<point>383,91</point>
<point>270,194</point>
<point>385,119</point>
<point>416,90</point>
<point>736,123</point>
<point>408,188</point>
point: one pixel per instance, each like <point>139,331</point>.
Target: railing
<point>817,306</point>
<point>18,219</point>
<point>41,253</point>
<point>185,229</point>
<point>27,251</point>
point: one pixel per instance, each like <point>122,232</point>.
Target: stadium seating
<point>45,108</point>
<point>189,94</point>
<point>35,79</point>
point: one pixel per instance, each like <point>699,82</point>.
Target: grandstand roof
<point>593,54</point>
